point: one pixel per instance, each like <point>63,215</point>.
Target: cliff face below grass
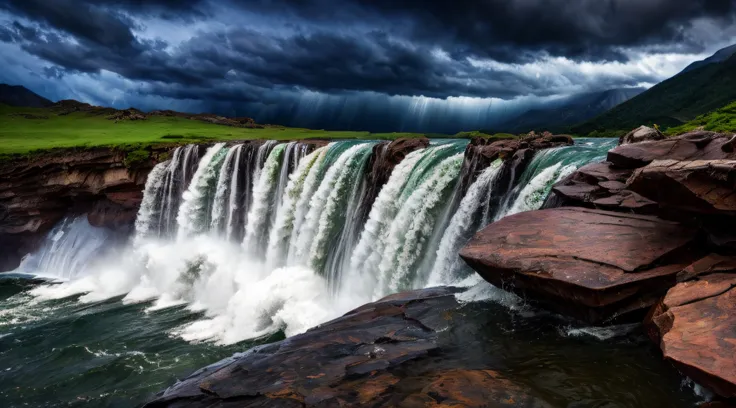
<point>37,192</point>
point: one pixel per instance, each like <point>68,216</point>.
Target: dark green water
<point>64,353</point>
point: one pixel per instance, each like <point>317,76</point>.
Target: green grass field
<point>22,134</point>
<point>720,120</point>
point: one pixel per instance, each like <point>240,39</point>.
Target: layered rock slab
<point>695,324</point>
<point>699,186</point>
<point>365,358</point>
<point>590,264</point>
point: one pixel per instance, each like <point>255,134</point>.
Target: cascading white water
<point>176,179</point>
<point>68,251</point>
<point>196,201</point>
<point>268,239</point>
<point>264,197</point>
<point>325,205</point>
<point>402,223</point>
<point>413,224</point>
<point>149,210</point>
<point>278,242</point>
<point>548,167</point>
<point>464,223</point>
<point>220,205</point>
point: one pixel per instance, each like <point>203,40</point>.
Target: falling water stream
<point>237,245</point>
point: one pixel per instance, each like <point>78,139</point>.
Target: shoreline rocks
<point>375,355</point>
<point>590,264</point>
<point>649,230</point>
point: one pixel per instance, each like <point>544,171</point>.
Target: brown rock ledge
<point>590,264</point>
<point>695,324</point>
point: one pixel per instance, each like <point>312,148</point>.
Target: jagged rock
<point>481,152</point>
<point>701,186</point>
<point>718,404</point>
<point>377,355</point>
<point>699,145</point>
<point>695,324</point>
<point>641,134</point>
<point>599,185</point>
<point>590,264</point>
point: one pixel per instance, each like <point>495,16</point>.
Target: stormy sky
<point>411,65</point>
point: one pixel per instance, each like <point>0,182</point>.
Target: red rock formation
<point>700,186</point>
<point>695,324</point>
<point>700,145</point>
<point>587,263</point>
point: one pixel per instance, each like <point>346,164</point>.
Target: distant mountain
<point>720,56</point>
<point>16,95</point>
<point>673,102</point>
<point>573,110</point>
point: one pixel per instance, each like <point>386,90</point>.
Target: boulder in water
<point>386,353</point>
<point>695,324</point>
<point>590,264</point>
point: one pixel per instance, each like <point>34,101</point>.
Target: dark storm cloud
<point>342,47</point>
<point>517,30</point>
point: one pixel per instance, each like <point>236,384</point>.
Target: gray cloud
<point>246,54</point>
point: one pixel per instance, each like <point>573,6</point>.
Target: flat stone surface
<point>581,257</point>
<point>700,145</point>
<point>360,359</point>
<point>704,186</point>
<point>696,326</point>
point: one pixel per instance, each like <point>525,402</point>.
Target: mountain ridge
<point>19,95</point>
<point>670,103</point>
<point>573,110</point>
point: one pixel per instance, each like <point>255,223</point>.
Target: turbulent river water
<point>238,245</point>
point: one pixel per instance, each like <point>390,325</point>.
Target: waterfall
<point>68,250</point>
<point>464,223</point>
<point>278,242</point>
<point>220,205</point>
<point>197,201</point>
<point>149,209</point>
<point>270,236</point>
<point>264,198</point>
<point>548,167</point>
<point>178,175</point>
<point>410,210</point>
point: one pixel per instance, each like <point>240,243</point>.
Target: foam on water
<point>304,258</point>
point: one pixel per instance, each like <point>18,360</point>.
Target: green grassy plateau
<point>720,120</point>
<point>27,130</point>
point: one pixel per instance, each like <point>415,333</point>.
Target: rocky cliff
<point>647,232</point>
<point>37,192</point>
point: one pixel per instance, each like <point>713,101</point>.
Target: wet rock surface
<point>595,264</point>
<point>695,324</point>
<point>365,358</point>
<point>591,264</point>
<point>699,186</point>
<point>428,349</point>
